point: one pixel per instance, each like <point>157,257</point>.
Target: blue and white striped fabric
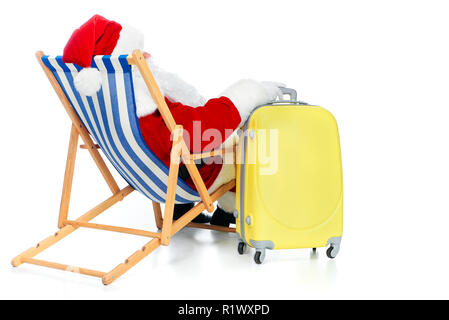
<point>110,117</point>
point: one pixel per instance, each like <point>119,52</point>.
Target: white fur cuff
<point>247,94</point>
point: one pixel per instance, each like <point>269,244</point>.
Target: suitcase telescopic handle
<point>289,91</point>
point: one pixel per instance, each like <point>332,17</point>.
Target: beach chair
<point>109,118</point>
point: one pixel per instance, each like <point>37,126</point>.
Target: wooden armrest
<point>131,60</point>
<point>196,156</point>
<point>83,146</point>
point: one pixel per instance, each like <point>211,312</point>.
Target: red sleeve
<point>208,126</point>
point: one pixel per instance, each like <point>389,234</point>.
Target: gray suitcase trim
<point>334,243</point>
<point>266,244</point>
<point>242,181</point>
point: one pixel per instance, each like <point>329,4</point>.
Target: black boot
<point>180,209</point>
<point>222,218</point>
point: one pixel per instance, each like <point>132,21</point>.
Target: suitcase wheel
<point>242,247</point>
<point>259,256</point>
<point>331,252</point>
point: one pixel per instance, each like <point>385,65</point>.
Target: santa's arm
<point>247,94</point>
<point>207,126</point>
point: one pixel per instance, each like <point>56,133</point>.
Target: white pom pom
<point>88,81</point>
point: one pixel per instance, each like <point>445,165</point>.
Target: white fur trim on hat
<point>130,39</point>
<point>88,81</point>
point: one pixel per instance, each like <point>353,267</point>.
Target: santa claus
<point>216,119</point>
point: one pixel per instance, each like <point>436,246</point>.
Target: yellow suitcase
<point>289,179</point>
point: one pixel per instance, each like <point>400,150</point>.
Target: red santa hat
<point>98,36</point>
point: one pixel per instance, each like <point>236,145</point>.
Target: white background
<point>381,67</point>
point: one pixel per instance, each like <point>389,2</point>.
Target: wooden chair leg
<point>199,184</point>
<point>169,204</point>
<point>157,214</point>
<point>68,176</point>
<point>133,259</point>
<point>175,159</point>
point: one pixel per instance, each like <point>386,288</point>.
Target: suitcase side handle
<point>290,92</point>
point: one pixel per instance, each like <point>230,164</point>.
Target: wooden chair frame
<point>167,227</point>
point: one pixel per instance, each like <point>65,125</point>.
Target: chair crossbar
<point>64,267</point>
<point>95,146</point>
<point>213,153</point>
<point>210,227</point>
<point>136,232</point>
